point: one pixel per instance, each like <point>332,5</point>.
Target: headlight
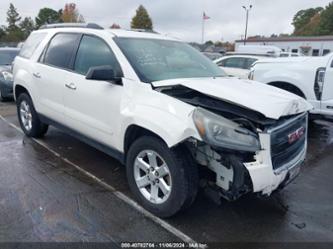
<point>221,132</point>
<point>7,76</point>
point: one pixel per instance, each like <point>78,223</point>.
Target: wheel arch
<point>288,87</point>
<point>133,132</point>
<point>19,89</point>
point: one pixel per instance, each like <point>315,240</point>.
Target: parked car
<point>290,54</point>
<point>237,65</point>
<point>308,77</point>
<point>263,50</point>
<point>212,55</point>
<point>7,56</point>
<point>163,109</point>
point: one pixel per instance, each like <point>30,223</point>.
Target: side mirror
<point>103,73</point>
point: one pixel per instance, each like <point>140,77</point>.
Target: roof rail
<point>71,25</point>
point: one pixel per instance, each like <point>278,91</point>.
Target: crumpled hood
<point>269,101</point>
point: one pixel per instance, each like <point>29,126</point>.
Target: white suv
<point>164,110</point>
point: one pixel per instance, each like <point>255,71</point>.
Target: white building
<point>307,45</point>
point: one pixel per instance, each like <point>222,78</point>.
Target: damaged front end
<point>243,150</point>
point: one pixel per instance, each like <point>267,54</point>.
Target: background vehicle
<point>237,65</point>
<point>263,50</point>
<point>213,55</point>
<point>7,56</point>
<point>161,108</point>
<point>308,77</point>
<point>289,54</point>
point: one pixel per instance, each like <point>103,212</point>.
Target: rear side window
<point>31,44</point>
<point>94,52</point>
<point>249,62</point>
<point>234,62</point>
<point>60,50</point>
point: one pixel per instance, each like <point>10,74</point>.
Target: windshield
<point>155,60</point>
<point>7,56</point>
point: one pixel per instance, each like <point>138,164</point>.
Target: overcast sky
<point>183,18</point>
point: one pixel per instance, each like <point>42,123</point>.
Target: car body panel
<point>6,86</point>
<point>237,71</point>
<point>269,101</point>
<point>104,111</point>
<point>301,73</point>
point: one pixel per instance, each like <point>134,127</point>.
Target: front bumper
<point>265,179</point>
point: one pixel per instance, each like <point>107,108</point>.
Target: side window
<point>31,44</point>
<point>234,62</point>
<point>249,62</point>
<point>94,52</point>
<point>222,63</point>
<point>60,50</point>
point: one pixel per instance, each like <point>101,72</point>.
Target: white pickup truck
<point>308,77</point>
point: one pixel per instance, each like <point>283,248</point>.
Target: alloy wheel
<point>152,176</point>
<point>26,115</point>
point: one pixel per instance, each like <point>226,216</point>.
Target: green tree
<point>209,43</point>
<point>14,33</point>
<point>142,19</point>
<point>312,28</point>
<point>325,26</point>
<point>2,33</point>
<point>303,18</point>
<point>47,15</point>
<point>27,26</point>
<point>13,17</point>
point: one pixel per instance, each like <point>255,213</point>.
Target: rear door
<point>51,74</point>
<point>93,107</point>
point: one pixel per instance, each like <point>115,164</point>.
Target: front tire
<point>28,117</point>
<point>162,179</point>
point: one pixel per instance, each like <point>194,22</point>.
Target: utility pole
<point>204,18</point>
<point>247,10</point>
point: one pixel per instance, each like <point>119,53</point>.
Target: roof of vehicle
<point>259,49</point>
<point>240,55</point>
<point>139,34</point>
<point>306,61</point>
<point>95,29</point>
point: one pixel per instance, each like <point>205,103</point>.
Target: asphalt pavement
<point>44,198</point>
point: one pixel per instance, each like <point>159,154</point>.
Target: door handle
<point>37,75</point>
<point>71,86</point>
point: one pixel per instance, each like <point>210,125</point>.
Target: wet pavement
<point>43,198</point>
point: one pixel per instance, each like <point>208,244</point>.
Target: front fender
<point>297,79</point>
<point>170,127</point>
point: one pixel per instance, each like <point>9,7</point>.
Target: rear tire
<point>181,178</point>
<point>28,117</point>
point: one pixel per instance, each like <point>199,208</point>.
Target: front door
<point>93,107</point>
